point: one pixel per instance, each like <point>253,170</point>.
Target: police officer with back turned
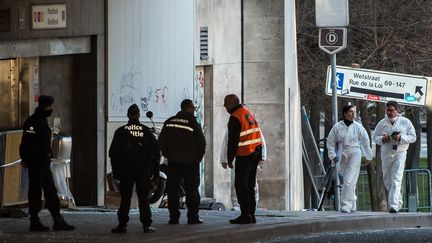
<point>135,156</point>
<point>182,142</point>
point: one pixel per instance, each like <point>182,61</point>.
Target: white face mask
<point>392,119</point>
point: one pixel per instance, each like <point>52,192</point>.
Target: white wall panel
<point>150,56</point>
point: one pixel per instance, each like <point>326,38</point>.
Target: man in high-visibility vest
<point>224,159</point>
<point>245,145</point>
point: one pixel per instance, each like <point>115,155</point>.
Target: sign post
<point>331,14</point>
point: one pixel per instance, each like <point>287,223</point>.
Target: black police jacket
<point>181,139</point>
<point>134,148</point>
<point>35,147</point>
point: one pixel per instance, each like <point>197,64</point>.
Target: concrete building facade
<point>251,52</point>
<point>67,62</point>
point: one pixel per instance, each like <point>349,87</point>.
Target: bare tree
<point>388,35</point>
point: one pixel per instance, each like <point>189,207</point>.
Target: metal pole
<point>242,50</point>
<point>334,89</point>
<point>335,120</point>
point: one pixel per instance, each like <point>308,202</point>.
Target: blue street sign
<point>410,98</point>
<point>340,78</point>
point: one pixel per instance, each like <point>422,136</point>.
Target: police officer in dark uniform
<point>135,156</point>
<point>35,152</point>
<point>182,142</point>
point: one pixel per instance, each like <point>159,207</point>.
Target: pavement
<point>94,225</point>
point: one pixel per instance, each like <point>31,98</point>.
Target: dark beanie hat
<point>45,101</point>
<point>133,110</point>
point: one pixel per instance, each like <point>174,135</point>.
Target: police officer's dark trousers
<point>190,173</point>
<point>245,176</point>
<point>40,177</point>
<point>141,178</point>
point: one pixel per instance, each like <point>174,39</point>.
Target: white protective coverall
<point>353,139</point>
<point>393,155</point>
<point>224,159</point>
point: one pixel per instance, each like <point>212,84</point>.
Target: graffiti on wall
<point>130,90</point>
<point>146,99</point>
<point>199,104</point>
<point>122,97</point>
<point>199,94</point>
<point>161,96</point>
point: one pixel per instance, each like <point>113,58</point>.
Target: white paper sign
<point>49,16</point>
<point>331,13</point>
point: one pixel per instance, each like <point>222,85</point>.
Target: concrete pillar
<point>269,91</point>
<point>269,94</point>
<point>264,92</point>
<point>293,133</point>
<point>100,118</point>
<point>222,18</point>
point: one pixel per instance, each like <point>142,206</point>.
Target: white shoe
<point>235,208</point>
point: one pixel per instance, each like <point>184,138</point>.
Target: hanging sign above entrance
<point>49,16</point>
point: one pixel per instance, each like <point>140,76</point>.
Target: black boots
<point>36,225</point>
<point>247,219</point>
<point>60,224</point>
<point>173,221</point>
<point>195,221</point>
<point>392,210</point>
<point>149,229</point>
<point>121,228</point>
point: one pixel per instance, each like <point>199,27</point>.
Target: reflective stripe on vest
<point>250,142</point>
<point>180,126</point>
<point>250,132</point>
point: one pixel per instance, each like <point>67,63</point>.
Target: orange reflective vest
<point>250,132</point>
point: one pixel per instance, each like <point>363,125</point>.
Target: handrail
<point>20,161</point>
<point>10,164</point>
<point>420,169</point>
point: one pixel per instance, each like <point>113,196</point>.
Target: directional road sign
<point>378,85</point>
<point>332,40</point>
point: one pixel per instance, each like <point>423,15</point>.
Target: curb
<point>275,231</point>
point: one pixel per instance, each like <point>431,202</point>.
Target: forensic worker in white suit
<point>394,133</point>
<point>353,139</point>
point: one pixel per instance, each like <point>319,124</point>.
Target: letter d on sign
<point>331,38</point>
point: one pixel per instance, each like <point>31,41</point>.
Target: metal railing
<point>419,198</point>
<point>416,191</point>
<point>363,194</point>
<point>11,164</point>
